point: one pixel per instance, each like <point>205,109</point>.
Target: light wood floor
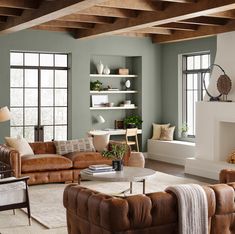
<point>18,224</point>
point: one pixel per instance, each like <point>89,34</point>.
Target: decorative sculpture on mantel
<point>224,84</point>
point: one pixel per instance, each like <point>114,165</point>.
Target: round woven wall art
<point>224,84</point>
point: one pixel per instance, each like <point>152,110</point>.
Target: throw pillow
<point>167,134</point>
<point>80,145</point>
<point>20,145</point>
<point>157,130</point>
<point>101,142</point>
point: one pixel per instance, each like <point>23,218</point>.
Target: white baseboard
<point>206,168</point>
<point>145,154</point>
<point>167,158</point>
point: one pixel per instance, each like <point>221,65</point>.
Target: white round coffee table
<point>129,174</point>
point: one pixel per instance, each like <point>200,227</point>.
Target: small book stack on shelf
<point>127,105</point>
<point>99,169</point>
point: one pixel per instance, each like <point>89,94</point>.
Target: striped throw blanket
<point>192,208</point>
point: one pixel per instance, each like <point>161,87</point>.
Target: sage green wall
<point>82,51</point>
<point>170,54</point>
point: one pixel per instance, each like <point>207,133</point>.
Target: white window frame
<point>181,87</point>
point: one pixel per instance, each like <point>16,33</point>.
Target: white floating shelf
<point>113,75</point>
<point>113,91</point>
<point>113,108</point>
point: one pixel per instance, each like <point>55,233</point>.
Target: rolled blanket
<point>192,208</point>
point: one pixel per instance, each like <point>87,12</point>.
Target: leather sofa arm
<point>11,157</point>
<point>227,176</point>
<point>127,155</point>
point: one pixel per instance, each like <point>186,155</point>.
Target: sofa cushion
<point>12,193</point>
<point>81,145</point>
<point>167,134</point>
<point>40,147</point>
<point>20,145</point>
<point>157,128</point>
<point>85,159</point>
<point>44,162</point>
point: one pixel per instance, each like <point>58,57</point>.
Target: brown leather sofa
<point>227,176</point>
<point>90,212</point>
<point>48,167</point>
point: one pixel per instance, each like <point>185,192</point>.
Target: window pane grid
<point>29,105</point>
<point>194,68</point>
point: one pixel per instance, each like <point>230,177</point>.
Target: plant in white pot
<point>116,152</point>
<point>184,130</point>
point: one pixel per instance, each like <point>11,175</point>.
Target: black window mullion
<point>24,96</point>
<point>39,96</point>
<point>199,90</point>
<point>54,104</point>
<point>67,100</point>
<point>39,107</point>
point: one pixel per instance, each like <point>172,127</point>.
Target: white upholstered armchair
<point>13,191</point>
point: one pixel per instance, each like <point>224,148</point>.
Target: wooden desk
<point>112,132</point>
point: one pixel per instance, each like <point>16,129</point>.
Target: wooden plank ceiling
<point>162,20</point>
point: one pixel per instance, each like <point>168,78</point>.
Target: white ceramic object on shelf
<point>100,67</point>
<point>127,102</point>
<point>106,70</point>
<point>128,84</point>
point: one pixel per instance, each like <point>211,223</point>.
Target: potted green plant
<point>133,121</point>
<point>95,85</point>
<point>116,153</point>
<point>184,130</point>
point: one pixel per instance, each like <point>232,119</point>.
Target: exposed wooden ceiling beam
<point>179,1</point>
<point>148,19</point>
<point>87,19</point>
<point>154,30</point>
<point>10,12</point>
<point>203,31</point>
<point>64,24</point>
<point>204,20</point>
<point>3,19</point>
<point>110,12</point>
<point>179,26</point>
<point>226,14</point>
<point>143,5</point>
<point>51,28</point>
<point>48,10</point>
<point>134,34</point>
<point>22,4</point>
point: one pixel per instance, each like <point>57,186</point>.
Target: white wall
<point>225,57</point>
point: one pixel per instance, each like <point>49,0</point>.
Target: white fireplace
<point>215,121</point>
<point>215,139</point>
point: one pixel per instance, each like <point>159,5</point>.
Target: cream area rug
<point>47,200</point>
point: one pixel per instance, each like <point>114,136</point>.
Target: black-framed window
<point>195,69</point>
<point>39,94</point>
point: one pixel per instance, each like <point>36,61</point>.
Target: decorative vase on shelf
<point>106,70</point>
<point>128,84</point>
<point>100,67</point>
